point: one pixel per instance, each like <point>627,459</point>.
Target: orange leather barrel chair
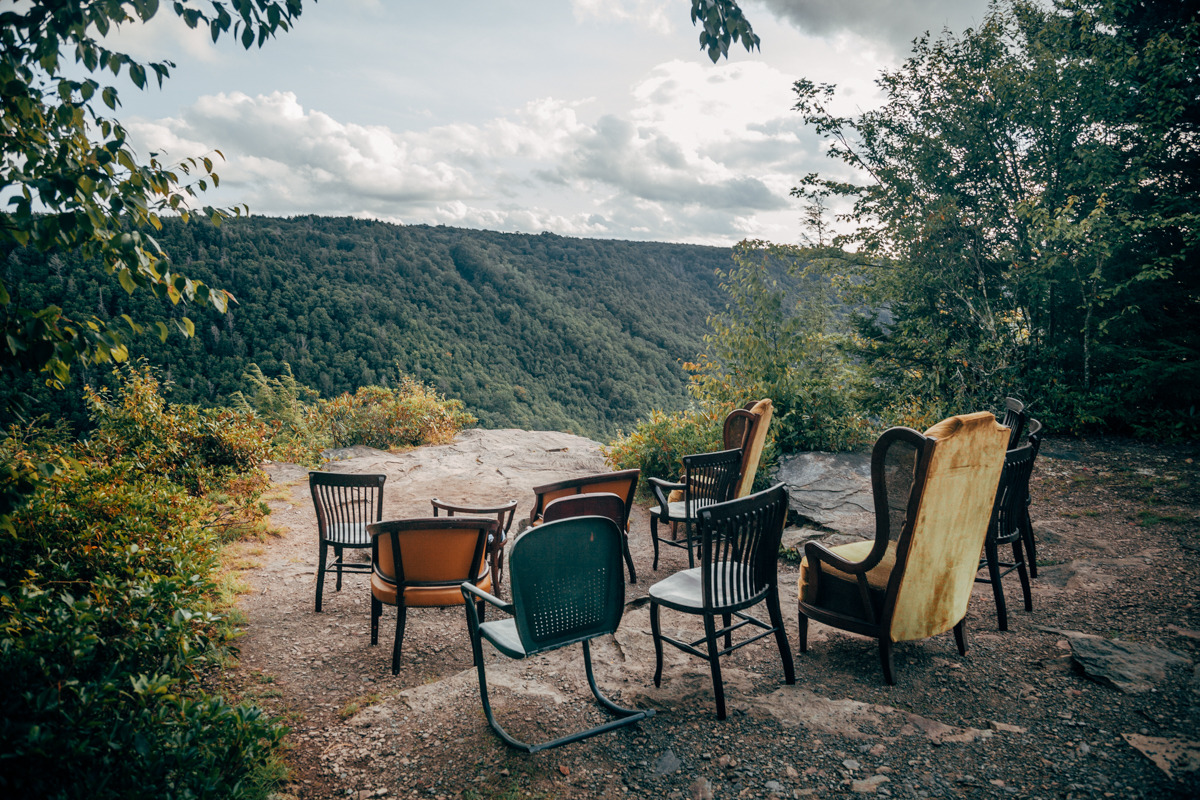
<point>423,562</point>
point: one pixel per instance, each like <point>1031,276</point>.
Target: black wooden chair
<point>1014,419</point>
<point>1007,527</point>
<point>708,478</point>
<point>503,513</point>
<point>567,586</point>
<point>345,505</point>
<point>739,551</point>
<point>1034,437</point>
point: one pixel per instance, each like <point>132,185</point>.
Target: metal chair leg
<point>885,657</point>
<point>654,538</point>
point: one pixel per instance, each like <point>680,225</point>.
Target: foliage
<point>540,332</point>
<point>200,450</point>
<point>1026,214</point>
<point>724,23</point>
<point>107,616</point>
<point>771,342</point>
<point>72,181</point>
<point>657,445</point>
<point>300,435</point>
<point>403,416</point>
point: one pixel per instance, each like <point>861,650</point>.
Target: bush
<point>107,611</point>
<point>658,445</point>
<point>408,415</point>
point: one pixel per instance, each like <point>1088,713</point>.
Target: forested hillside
<point>534,331</point>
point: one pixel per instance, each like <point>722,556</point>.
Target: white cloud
<point>651,14</point>
<point>705,153</point>
<point>894,22</point>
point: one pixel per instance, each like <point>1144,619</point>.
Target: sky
<point>594,118</point>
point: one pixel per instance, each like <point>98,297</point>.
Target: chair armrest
<point>815,551</point>
<point>469,588</point>
<point>661,488</point>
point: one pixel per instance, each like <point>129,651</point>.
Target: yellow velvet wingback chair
<point>933,498</point>
<point>746,428</point>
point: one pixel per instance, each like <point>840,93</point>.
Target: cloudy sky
<point>583,117</point>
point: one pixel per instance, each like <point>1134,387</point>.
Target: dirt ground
<point>1119,553</point>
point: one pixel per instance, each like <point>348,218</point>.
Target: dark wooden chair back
<point>739,549</point>
<point>345,505</point>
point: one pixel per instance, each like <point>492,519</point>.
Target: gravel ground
<point>1119,552</point>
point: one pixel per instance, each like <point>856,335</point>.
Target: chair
<point>345,504</point>
<point>933,498</point>
<point>504,518</point>
<point>422,562</point>
<point>1014,419</point>
<point>1034,437</point>
<point>752,421</point>
<point>566,586</point>
<point>623,484</point>
<point>739,552</point>
<point>1006,527</point>
<point>605,504</point>
<point>708,478</point>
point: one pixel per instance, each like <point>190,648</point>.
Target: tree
<point>71,180</point>
<point>1027,210</point>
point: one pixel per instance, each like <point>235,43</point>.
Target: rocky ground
<point>1119,552</point>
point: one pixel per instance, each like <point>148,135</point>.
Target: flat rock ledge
<point>1128,667</point>
<point>831,489</point>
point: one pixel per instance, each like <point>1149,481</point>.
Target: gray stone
<point>667,763</point>
<point>794,538</point>
<point>833,489</point>
<point>1125,666</point>
<point>774,786</point>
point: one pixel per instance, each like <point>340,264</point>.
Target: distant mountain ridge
<point>533,331</point>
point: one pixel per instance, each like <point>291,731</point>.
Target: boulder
<point>1125,666</point>
<point>831,489</point>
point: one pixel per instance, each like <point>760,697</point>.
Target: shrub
<point>407,415</point>
<point>106,609</point>
<point>657,446</point>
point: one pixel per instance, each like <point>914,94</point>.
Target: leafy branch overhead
<point>723,23</point>
<point>73,181</point>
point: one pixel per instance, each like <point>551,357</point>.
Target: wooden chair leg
<point>321,573</point>
<point>337,553</point>
<point>885,657</point>
<point>785,652</point>
<point>376,613</point>
<point>628,556</point>
<point>687,530</point>
<point>1023,574</point>
<point>714,663</point>
<point>726,621</point>
<point>960,637</point>
<point>993,566</point>
<point>654,538</point>
<point>1027,535</point>
<point>401,618</point>
<point>803,633</point>
<point>656,634</point>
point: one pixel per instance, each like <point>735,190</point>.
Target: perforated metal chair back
<point>345,505</point>
<point>710,478</point>
<point>739,548</point>
<point>567,582</point>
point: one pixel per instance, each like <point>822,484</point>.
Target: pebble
<point>851,764</point>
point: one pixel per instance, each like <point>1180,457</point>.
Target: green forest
<point>541,332</point>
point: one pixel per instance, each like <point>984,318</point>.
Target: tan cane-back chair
<point>933,499</point>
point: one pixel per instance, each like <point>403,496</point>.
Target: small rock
<point>1000,727</point>
<point>774,786</point>
<point>792,773</point>
<point>851,764</point>
<point>701,789</point>
<point>667,763</point>
<point>1084,749</point>
<point>868,786</point>
<point>564,769</point>
<point>883,770</point>
<point>877,750</point>
<point>1125,666</point>
<point>997,782</point>
<point>504,772</point>
<point>706,756</point>
<point>723,761</point>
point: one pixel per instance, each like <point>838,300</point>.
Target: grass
<point>359,703</point>
<point>1148,518</point>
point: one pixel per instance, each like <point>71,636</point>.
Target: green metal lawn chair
<point>567,585</point>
